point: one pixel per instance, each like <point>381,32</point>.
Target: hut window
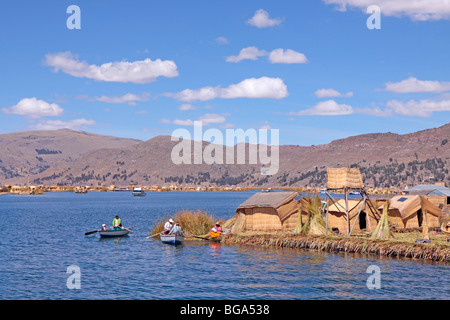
<point>403,199</point>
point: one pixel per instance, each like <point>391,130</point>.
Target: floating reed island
<point>404,226</point>
<point>344,244</point>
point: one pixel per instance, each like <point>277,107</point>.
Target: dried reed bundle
<point>315,223</point>
<point>382,230</point>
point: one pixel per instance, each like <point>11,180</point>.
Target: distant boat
<point>174,239</point>
<point>122,189</point>
<point>138,192</point>
<point>267,190</point>
<point>113,233</point>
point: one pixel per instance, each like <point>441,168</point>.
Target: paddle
<point>191,235</point>
<point>91,232</point>
<point>156,234</point>
<point>129,229</point>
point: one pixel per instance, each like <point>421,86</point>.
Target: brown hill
<point>26,154</point>
<point>385,159</point>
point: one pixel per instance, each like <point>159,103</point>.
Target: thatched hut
<point>268,211</point>
<point>337,217</point>
<point>406,211</point>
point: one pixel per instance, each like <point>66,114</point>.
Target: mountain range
<point>67,157</point>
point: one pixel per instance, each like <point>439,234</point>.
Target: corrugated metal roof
<point>430,190</point>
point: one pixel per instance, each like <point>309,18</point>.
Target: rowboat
<point>172,238</point>
<point>113,233</point>
<point>445,228</point>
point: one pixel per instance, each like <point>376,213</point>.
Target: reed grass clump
<point>315,223</point>
<point>191,222</point>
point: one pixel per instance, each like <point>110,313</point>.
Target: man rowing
<point>117,223</point>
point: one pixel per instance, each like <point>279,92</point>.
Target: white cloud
<point>276,56</point>
<point>289,56</point>
<point>128,98</point>
<point>34,108</point>
<point>422,108</point>
<point>261,20</point>
<point>272,88</point>
<point>412,85</point>
<point>250,53</point>
<point>207,119</point>
<point>222,40</point>
<point>136,72</point>
<point>416,10</point>
<point>75,124</point>
<point>186,107</point>
<point>326,108</point>
<point>265,125</point>
<point>331,93</point>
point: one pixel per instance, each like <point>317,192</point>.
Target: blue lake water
<point>43,235</point>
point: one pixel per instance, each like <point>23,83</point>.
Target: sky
<point>316,70</point>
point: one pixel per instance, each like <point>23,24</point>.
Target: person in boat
<point>117,223</point>
<point>176,230</point>
<point>168,226</point>
<point>103,227</point>
<point>216,231</point>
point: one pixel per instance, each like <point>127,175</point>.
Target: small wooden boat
<point>113,233</point>
<point>138,192</point>
<point>174,239</point>
<point>445,228</point>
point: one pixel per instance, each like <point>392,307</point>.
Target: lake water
<point>44,235</point>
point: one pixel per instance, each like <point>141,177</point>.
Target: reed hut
<point>337,217</point>
<point>406,211</point>
<point>268,211</point>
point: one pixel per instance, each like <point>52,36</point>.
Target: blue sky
<point>311,69</point>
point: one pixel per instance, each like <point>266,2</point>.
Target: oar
<point>191,235</point>
<point>91,232</point>
<point>156,234</point>
<point>128,229</point>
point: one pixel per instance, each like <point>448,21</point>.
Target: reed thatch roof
<point>274,200</point>
<point>268,199</point>
<point>339,178</point>
<point>409,205</point>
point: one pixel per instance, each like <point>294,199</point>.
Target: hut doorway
<point>420,217</point>
<point>362,221</point>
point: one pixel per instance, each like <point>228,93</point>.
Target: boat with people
<point>138,192</point>
<point>174,239</point>
<point>113,233</point>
